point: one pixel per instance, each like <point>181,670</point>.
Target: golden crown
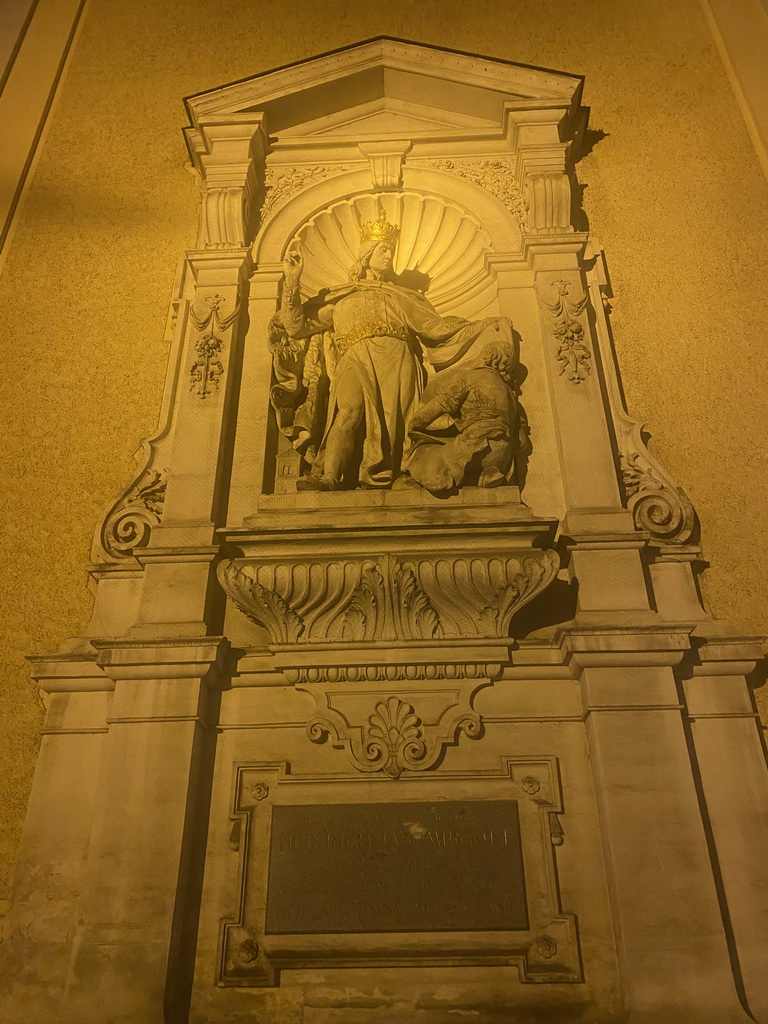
<point>379,230</point>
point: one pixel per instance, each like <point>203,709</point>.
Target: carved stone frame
<point>548,951</point>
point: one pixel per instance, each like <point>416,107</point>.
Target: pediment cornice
<point>451,86</point>
<point>363,108</point>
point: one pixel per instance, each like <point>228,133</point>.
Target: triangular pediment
<point>387,117</point>
<point>383,86</point>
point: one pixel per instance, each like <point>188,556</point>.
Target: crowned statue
<point>352,363</point>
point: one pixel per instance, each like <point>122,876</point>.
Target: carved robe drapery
<point>381,330</point>
<point>478,399</point>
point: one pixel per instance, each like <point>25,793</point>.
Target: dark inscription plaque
<point>400,867</point>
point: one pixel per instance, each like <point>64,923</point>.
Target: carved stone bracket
<point>207,367</point>
<point>403,730</point>
<point>389,604</point>
<point>496,176</point>
<point>227,211</point>
<point>386,162</point>
<point>128,524</point>
<point>547,201</point>
<point>572,353</point>
<point>659,507</point>
<point>387,599</point>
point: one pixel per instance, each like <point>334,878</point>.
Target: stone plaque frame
<point>547,951</point>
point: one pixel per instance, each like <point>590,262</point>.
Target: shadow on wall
<point>555,606</point>
<point>583,142</point>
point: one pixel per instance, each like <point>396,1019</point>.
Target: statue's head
<point>380,260</point>
<point>378,239</point>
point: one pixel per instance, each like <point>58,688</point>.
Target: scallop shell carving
<point>437,238</point>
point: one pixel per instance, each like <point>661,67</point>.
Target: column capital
<point>728,656</point>
<point>234,139</point>
<point>69,672</point>
<point>216,266</point>
<point>228,153</point>
<point>179,658</point>
<point>648,646</point>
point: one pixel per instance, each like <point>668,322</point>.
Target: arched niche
<point>493,217</point>
<point>444,251</point>
<point>438,239</point>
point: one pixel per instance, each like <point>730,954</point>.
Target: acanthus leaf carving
<point>531,577</point>
<point>387,599</point>
<point>263,606</point>
<point>152,493</point>
<point>128,525</point>
<point>280,185</point>
<point>496,176</point>
<point>207,367</point>
<point>572,353</point>
<point>389,604</point>
<point>657,505</point>
<point>477,597</point>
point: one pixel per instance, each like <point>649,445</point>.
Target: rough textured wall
<point>674,193</point>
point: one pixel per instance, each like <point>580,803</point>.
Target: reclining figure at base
<point>485,430</point>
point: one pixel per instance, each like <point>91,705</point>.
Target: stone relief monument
<point>378,333</point>
<point>399,700</point>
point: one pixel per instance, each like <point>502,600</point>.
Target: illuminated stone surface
<point>510,616</point>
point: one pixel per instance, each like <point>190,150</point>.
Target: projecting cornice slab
<point>385,73</point>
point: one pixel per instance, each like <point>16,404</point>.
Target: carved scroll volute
<point>658,505</point>
<point>401,731</point>
<point>230,159</point>
<point>129,522</point>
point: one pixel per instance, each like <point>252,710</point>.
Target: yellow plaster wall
<point>674,192</point>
